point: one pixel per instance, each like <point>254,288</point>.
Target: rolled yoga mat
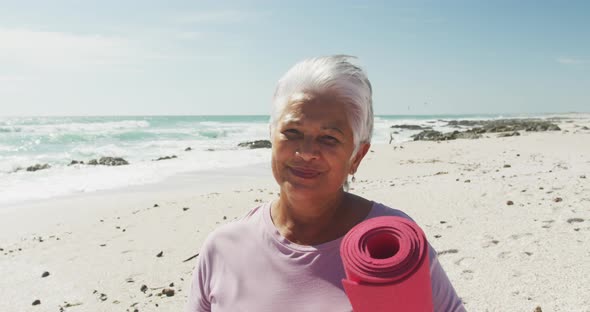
<point>387,266</point>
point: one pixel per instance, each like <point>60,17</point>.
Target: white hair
<point>337,74</point>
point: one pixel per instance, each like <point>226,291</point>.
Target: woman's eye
<point>291,133</point>
<point>330,139</point>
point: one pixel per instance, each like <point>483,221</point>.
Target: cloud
<point>572,61</point>
<point>12,78</point>
<point>47,49</point>
<point>219,17</point>
<point>189,35</point>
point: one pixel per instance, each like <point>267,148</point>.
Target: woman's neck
<point>312,222</point>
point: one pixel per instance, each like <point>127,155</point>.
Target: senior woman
<point>284,255</point>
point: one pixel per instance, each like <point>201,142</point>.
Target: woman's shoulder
<point>380,210</point>
<point>234,232</point>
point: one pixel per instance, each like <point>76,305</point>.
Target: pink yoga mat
<point>387,266</point>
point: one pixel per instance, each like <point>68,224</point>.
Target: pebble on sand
<point>557,199</point>
<point>168,292</point>
<point>509,203</point>
<point>45,274</point>
<point>160,254</point>
<point>36,302</point>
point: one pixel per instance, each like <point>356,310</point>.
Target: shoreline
<point>54,180</point>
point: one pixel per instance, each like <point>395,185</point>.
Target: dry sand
<point>101,248</point>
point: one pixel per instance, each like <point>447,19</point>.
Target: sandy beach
<point>509,217</point>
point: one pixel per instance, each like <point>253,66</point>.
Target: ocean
<point>213,142</point>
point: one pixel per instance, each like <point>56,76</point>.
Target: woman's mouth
<point>304,173</point>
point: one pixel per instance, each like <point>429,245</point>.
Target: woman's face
<point>312,147</point>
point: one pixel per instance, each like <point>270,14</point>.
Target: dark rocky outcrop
<point>256,144</point>
<point>411,127</point>
<point>38,167</point>
<point>487,126</point>
<point>506,125</point>
<point>466,123</point>
<point>432,135</point>
<point>508,134</point>
<point>166,158</point>
<point>109,161</point>
<point>76,162</point>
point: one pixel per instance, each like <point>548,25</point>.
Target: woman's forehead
<point>328,113</point>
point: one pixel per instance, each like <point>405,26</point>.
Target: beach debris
<point>103,297</point>
<point>448,251</point>
<point>130,280</point>
<point>160,254</point>
<point>143,288</point>
<point>256,144</point>
<point>169,292</point>
<point>437,236</point>
<point>36,302</point>
<point>156,205</point>
<point>185,208</point>
<point>45,274</point>
<point>188,149</point>
<point>38,167</point>
<point>467,181</point>
<point>574,220</point>
<point>103,245</point>
<point>507,166</point>
<point>582,177</point>
<point>69,305</point>
<point>509,203</point>
<point>166,158</point>
<point>558,199</point>
<point>191,258</point>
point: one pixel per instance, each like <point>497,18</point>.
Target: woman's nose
<point>308,150</point>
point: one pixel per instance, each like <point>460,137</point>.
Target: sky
<point>224,57</point>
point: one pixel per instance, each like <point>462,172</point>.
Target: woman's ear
<point>360,154</point>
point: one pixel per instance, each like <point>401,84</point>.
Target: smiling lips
<point>304,173</point>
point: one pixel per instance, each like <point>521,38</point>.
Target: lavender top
<point>248,266</point>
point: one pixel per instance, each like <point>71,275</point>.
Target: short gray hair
<point>338,74</point>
